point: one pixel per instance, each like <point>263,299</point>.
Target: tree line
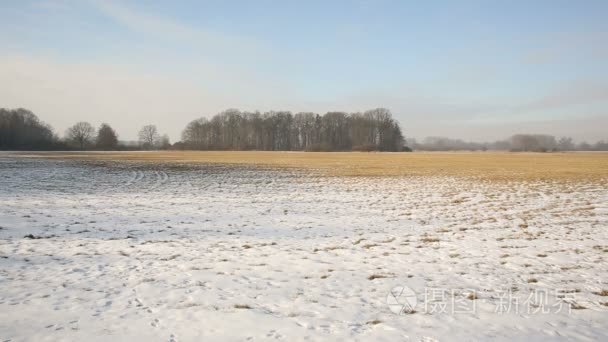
<point>20,129</point>
<point>373,130</point>
<point>516,143</point>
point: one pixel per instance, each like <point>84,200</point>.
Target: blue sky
<point>477,70</point>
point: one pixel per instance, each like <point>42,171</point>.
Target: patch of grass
<point>171,257</point>
<point>374,322</point>
<point>242,306</point>
<point>577,306</point>
<point>532,280</point>
<point>603,293</point>
<point>377,276</point>
<point>37,237</point>
<point>330,248</point>
<point>568,268</point>
<point>429,239</point>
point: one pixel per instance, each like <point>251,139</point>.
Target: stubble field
<point>186,246</point>
<point>486,165</point>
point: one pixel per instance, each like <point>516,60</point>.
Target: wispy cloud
<point>153,66</point>
<point>53,5</point>
<point>573,94</point>
<point>162,27</point>
<point>567,46</point>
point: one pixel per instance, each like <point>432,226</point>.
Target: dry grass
<point>242,306</point>
<point>489,165</point>
<point>377,276</point>
<point>429,239</point>
<point>603,293</point>
<point>577,306</point>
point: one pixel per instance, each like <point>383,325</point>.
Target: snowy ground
<point>168,252</point>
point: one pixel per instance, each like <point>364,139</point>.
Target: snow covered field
<point>127,251</point>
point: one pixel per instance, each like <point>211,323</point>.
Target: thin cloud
<point>165,28</point>
<point>565,46</point>
<point>571,95</point>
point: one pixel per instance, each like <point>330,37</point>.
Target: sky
<point>475,70</point>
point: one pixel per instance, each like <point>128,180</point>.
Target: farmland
<point>187,246</point>
<point>486,165</point>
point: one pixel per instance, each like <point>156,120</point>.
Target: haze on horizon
<point>476,70</point>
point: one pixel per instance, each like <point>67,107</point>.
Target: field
<point>487,165</point>
<point>190,246</point>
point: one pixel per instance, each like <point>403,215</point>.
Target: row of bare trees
<point>20,129</point>
<point>283,131</point>
<point>516,143</point>
<point>84,136</point>
<point>546,143</point>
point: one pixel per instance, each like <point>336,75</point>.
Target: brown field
<point>487,165</point>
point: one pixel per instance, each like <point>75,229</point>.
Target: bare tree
<point>533,142</point>
<point>335,133</point>
<point>148,136</point>
<point>21,129</point>
<point>165,143</point>
<point>106,137</point>
<point>565,144</point>
<point>81,133</point>
<point>283,131</point>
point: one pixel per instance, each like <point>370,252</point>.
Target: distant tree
<point>584,146</point>
<point>565,144</point>
<point>232,129</point>
<point>601,146</point>
<point>336,131</point>
<point>148,136</point>
<point>165,143</point>
<point>533,142</point>
<point>304,130</point>
<point>81,134</point>
<point>106,137</point>
<point>21,129</point>
<point>448,144</point>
